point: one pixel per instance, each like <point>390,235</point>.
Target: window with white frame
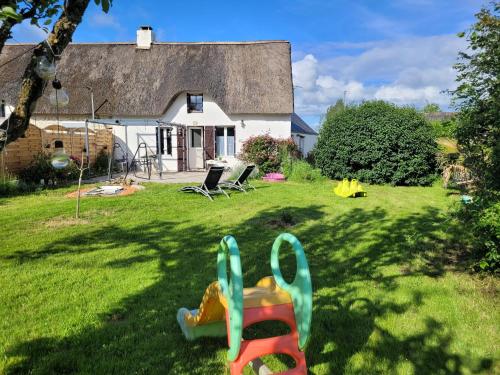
<point>225,141</point>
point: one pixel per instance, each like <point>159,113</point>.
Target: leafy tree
<point>335,108</point>
<point>32,85</point>
<point>16,11</point>
<point>377,142</point>
<point>478,99</point>
<point>431,108</point>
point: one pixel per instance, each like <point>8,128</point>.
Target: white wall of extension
<point>138,130</point>
<point>306,142</point>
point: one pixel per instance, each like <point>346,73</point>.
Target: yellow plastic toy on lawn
<point>348,188</point>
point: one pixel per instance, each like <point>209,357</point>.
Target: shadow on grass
<point>141,335</point>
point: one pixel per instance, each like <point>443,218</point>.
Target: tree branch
<point>5,30</point>
<point>32,85</point>
<point>6,25</point>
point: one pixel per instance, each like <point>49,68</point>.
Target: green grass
<point>449,145</point>
<point>100,296</point>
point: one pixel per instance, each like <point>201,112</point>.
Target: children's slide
<point>348,188</point>
<point>227,308</point>
<point>209,318</point>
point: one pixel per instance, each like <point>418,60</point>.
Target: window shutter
<point>209,142</point>
<point>181,149</point>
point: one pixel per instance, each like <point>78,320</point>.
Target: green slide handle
<point>232,291</point>
<point>300,289</point>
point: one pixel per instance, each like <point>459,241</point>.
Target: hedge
<point>377,142</point>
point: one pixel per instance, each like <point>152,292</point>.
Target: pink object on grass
<point>274,177</point>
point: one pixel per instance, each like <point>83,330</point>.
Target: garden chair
<point>241,182</point>
<point>210,186</point>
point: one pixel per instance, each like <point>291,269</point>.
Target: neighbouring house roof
<point>439,116</point>
<point>300,126</point>
<point>242,78</point>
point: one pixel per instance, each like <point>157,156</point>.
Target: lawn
<point>99,296</point>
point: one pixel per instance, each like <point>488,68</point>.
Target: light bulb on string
<point>58,97</point>
<point>60,159</point>
<point>45,68</point>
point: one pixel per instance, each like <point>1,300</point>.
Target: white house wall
<point>140,129</point>
<point>135,131</point>
<point>309,142</point>
<point>277,126</point>
<point>8,111</point>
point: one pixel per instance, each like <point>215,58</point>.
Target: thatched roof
<point>300,126</point>
<point>243,78</point>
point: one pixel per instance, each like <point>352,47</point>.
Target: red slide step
<point>286,344</point>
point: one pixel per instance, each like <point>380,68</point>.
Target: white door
<point>196,148</point>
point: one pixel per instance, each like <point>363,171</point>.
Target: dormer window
<point>195,103</point>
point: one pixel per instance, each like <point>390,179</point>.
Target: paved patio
<point>167,177</point>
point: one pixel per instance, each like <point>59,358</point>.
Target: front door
<point>196,148</point>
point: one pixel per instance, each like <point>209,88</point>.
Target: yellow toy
<point>348,188</point>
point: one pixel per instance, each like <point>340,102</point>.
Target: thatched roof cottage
<point>190,102</point>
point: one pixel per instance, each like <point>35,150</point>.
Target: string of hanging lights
<point>46,69</point>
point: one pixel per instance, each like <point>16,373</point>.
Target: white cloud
<point>27,33</point>
<point>408,95</point>
<point>107,20</point>
<point>410,71</point>
<point>305,72</point>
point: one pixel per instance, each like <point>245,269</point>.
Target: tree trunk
<point>32,86</point>
<point>82,165</point>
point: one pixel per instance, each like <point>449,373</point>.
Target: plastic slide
<point>227,308</point>
<point>209,319</point>
<point>348,188</point>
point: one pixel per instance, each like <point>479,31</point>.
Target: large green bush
<point>482,218</point>
<point>377,142</point>
<point>445,128</point>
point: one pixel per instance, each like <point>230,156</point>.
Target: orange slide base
<point>286,344</point>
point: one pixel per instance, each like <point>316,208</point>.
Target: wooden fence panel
<point>19,154</point>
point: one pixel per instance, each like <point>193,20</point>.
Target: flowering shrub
<point>268,153</point>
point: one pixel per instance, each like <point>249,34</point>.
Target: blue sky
<point>396,50</point>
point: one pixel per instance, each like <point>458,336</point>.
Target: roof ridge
<point>166,43</point>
